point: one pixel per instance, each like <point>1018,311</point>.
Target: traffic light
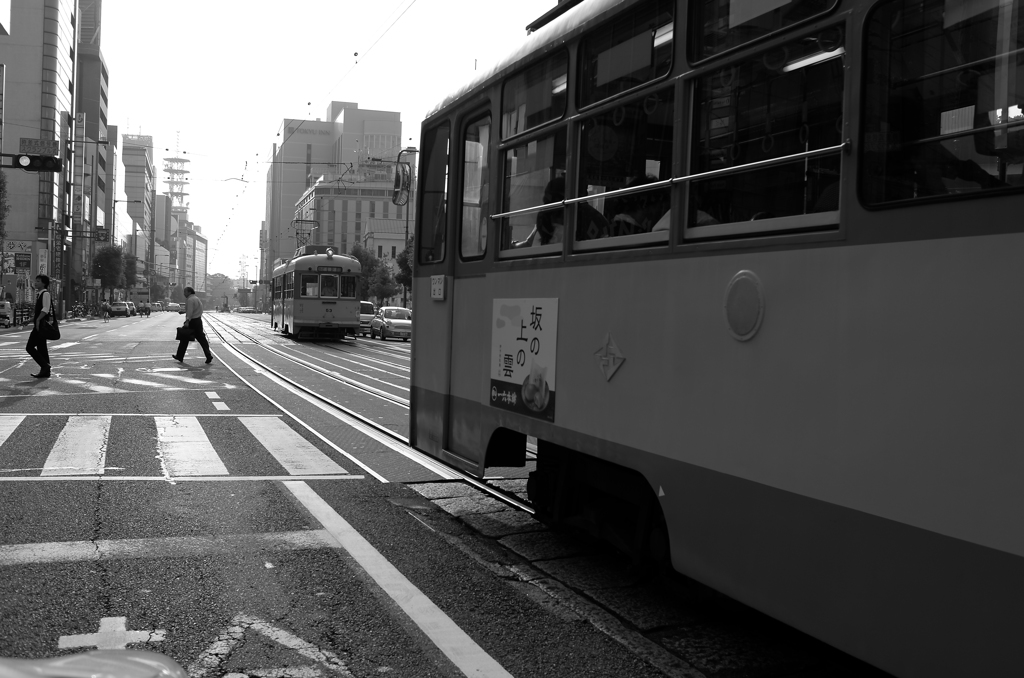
<point>38,163</point>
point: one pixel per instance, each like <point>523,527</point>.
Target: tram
<point>315,294</point>
<point>748,271</point>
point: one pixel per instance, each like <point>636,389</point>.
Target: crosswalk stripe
<point>7,425</point>
<point>290,449</point>
<point>184,449</point>
<point>81,447</point>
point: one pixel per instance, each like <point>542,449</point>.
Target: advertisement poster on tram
<point>524,336</point>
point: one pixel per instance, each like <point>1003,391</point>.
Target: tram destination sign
<point>524,336</point>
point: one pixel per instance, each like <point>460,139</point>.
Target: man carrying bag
<point>193,322</point>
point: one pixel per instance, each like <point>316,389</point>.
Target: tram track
<point>368,426</point>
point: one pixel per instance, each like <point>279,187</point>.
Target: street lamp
<point>405,290</point>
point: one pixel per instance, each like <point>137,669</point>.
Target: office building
<point>39,61</point>
<point>327,179</point>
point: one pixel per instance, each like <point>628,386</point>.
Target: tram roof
<point>548,38</point>
<point>317,253</point>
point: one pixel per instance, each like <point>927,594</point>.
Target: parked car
<point>6,313</point>
<point>156,307</point>
<point>119,308</point>
<point>131,308</point>
<point>171,306</point>
<point>392,321</point>
<point>366,313</point>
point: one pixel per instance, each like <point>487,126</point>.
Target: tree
<point>108,266</point>
<point>367,264</point>
<point>158,291</point>
<point>382,284</point>
<point>404,260</point>
<point>178,294</point>
<point>131,271</point>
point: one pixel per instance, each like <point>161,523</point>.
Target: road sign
<point>39,147</point>
<point>102,234</point>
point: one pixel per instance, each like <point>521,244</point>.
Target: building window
<point>392,251</point>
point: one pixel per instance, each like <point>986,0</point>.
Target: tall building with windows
<point>39,59</point>
<point>91,210</point>
<point>139,184</point>
<point>327,179</point>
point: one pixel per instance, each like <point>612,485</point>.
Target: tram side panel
<point>858,450</point>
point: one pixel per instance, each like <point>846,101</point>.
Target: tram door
<point>432,299</point>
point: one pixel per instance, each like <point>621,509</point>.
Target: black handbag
<point>50,328</point>
<point>185,334</point>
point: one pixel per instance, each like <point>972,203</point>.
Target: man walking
<point>193,320</point>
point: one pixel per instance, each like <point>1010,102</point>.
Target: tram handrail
<point>665,183</point>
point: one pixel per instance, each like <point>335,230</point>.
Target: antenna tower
<point>174,168</point>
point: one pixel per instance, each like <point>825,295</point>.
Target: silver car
<point>392,321</point>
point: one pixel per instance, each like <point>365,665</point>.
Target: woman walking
<point>194,320</point>
<point>36,345</point>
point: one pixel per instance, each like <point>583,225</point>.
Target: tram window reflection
<point>784,101</point>
<point>434,199</point>
<point>627,147</point>
<point>329,286</point>
<point>531,173</point>
<point>944,100</point>
<point>309,285</point>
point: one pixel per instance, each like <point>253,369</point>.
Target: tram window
<point>434,200</point>
<point>347,289</point>
<point>785,101</point>
<point>535,96</point>
<point>943,99</point>
<point>309,285</point>
<point>628,146</point>
<point>289,285</point>
<point>534,174</point>
<point>329,286</point>
<point>475,193</point>
<point>720,25</point>
<point>629,51</point>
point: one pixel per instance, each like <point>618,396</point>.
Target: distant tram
<point>750,273</point>
<point>315,294</point>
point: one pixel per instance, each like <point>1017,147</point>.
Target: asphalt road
<point>153,505</point>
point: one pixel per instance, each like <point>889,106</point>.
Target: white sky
<point>216,78</point>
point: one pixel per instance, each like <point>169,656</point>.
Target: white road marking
<point>7,426</point>
<point>184,450</point>
<point>113,635</point>
<point>81,447</point>
<point>143,382</point>
<point>64,345</point>
<point>156,547</point>
<point>222,406</point>
<point>455,643</point>
<point>291,450</point>
<point>89,337</point>
<point>187,380</point>
<point>178,479</point>
<point>220,650</point>
<point>212,395</point>
<point>299,421</point>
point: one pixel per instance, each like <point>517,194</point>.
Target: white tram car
<point>750,273</point>
<point>315,294</point>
